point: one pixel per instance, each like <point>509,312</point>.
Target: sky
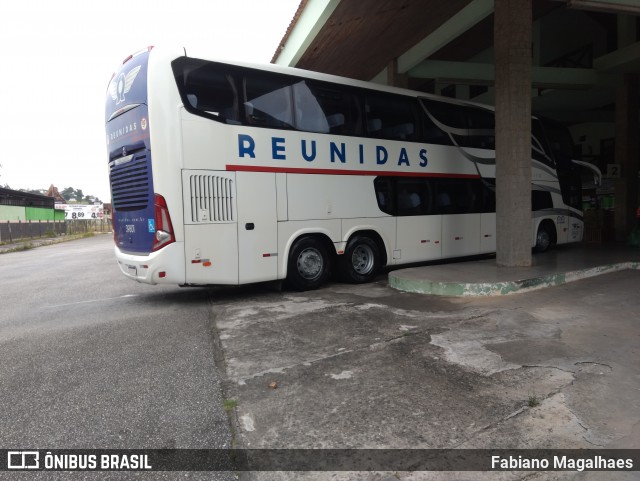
<point>58,57</point>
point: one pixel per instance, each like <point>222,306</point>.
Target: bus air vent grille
<point>130,184</point>
<point>212,199</point>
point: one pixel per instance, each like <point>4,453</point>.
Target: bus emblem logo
<point>122,84</point>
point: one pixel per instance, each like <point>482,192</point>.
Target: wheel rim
<point>362,259</point>
<point>543,240</point>
<point>310,264</point>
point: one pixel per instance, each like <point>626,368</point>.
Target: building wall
<point>11,212</point>
<point>18,213</point>
<point>38,213</point>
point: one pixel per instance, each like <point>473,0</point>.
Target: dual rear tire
<point>310,263</point>
<point>361,260</point>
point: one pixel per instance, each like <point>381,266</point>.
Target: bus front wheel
<point>308,266</point>
<point>545,237</point>
<point>360,261</point>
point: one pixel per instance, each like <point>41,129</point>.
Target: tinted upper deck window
<point>392,117</point>
<point>207,88</point>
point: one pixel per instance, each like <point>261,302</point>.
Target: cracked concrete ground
<point>370,367</point>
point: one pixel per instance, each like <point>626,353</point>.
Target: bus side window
<point>324,108</point>
<point>444,123</point>
<point>540,149</point>
<point>309,114</point>
<point>391,117</point>
<point>444,202</point>
<point>268,101</point>
<point>488,192</point>
<point>482,128</point>
<point>541,200</point>
<point>383,189</point>
<point>432,134</point>
<point>413,197</point>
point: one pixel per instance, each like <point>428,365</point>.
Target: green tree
<point>67,193</point>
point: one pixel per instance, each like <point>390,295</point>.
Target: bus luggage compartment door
<point>460,235</point>
<point>418,238</point>
<point>257,226</point>
<point>210,227</point>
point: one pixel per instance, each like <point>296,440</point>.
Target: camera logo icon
<point>23,460</point>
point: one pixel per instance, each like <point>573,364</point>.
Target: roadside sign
<point>81,211</point>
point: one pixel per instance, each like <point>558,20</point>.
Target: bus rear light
<point>164,229</point>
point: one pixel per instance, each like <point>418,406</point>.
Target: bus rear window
<point>206,89</point>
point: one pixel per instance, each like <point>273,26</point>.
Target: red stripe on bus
<point>297,170</point>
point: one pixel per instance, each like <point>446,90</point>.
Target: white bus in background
<point>229,174</point>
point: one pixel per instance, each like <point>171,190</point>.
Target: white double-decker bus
<point>230,174</point>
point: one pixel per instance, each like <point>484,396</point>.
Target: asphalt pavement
<point>89,359</point>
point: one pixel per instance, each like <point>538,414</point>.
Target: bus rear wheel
<point>308,266</point>
<point>360,261</point>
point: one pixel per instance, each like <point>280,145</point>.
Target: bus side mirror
<point>597,175</point>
